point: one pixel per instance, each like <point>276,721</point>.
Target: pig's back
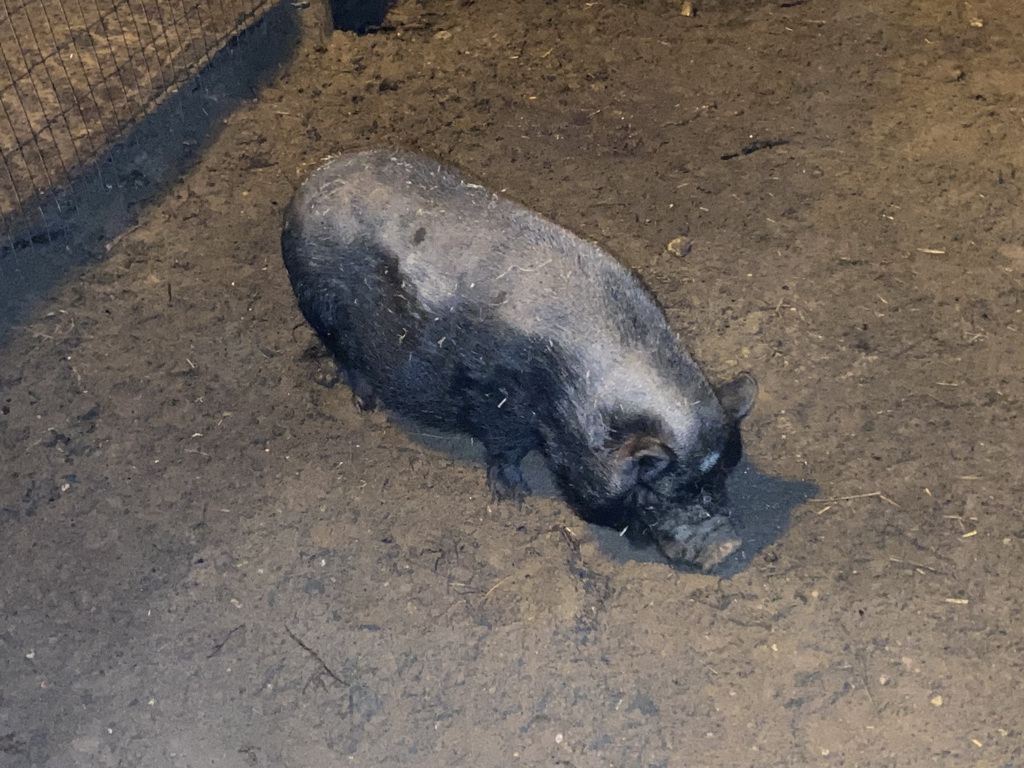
<point>474,257</point>
<point>462,246</point>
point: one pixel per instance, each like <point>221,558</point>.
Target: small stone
<point>688,9</point>
<point>680,246</point>
<point>936,701</point>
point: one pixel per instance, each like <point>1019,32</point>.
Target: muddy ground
<point>209,559</point>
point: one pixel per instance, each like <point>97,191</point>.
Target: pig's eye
<point>649,467</point>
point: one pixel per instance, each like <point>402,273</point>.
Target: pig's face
<point>688,517</point>
<point>680,501</point>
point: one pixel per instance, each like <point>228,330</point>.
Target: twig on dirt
<point>963,521</point>
<point>859,667</point>
<point>873,494</point>
<point>218,647</point>
<point>756,146</point>
<point>570,539</point>
<point>497,584</point>
<point>781,305</point>
<point>861,656</point>
<point>316,657</point>
<point>920,566</point>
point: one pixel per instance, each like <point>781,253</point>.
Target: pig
<point>462,310</point>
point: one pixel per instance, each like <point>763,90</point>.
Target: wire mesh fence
<point>77,75</point>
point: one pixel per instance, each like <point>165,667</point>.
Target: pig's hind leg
<point>492,408</point>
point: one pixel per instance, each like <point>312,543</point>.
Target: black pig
<point>467,312</point>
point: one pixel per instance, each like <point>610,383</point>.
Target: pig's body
<point>465,311</point>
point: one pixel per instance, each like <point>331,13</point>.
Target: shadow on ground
<point>760,504</point>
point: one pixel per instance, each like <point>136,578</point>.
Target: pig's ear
<point>737,396</point>
<point>643,457</point>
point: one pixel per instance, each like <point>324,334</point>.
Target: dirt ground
<point>209,559</point>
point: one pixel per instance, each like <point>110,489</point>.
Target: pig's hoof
<point>362,393</point>
<point>507,482</point>
<point>364,402</point>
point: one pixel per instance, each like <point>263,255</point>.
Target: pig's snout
<point>704,544</point>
